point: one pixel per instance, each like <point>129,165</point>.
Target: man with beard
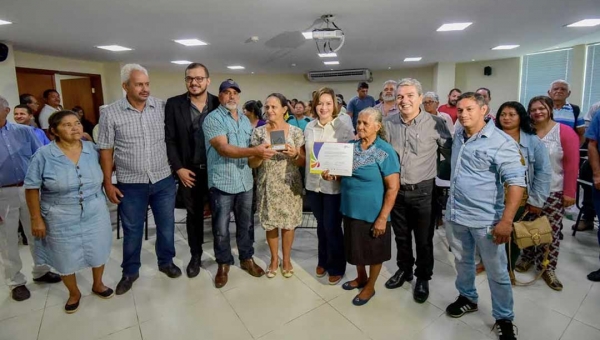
<point>388,106</point>
<point>132,140</point>
<point>184,115</point>
<point>416,136</point>
<point>227,134</point>
<point>450,108</point>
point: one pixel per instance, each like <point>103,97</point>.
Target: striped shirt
<point>230,175</point>
<point>138,140</point>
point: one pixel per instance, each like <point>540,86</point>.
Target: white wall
<point>8,81</point>
<point>165,84</point>
<point>503,83</point>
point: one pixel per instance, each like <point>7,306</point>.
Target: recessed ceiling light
<point>181,62</point>
<point>472,59</point>
<point>389,68</point>
<point>252,72</point>
<point>413,59</point>
<point>190,42</point>
<point>458,26</point>
<point>331,62</point>
<point>4,22</point>
<point>505,47</point>
<point>114,48</point>
<point>236,67</point>
<point>585,23</point>
<point>328,55</point>
<point>307,35</point>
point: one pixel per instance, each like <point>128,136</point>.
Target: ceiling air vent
<point>339,75</point>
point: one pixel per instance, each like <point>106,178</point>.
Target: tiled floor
<point>302,307</point>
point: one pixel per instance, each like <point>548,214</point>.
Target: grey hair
<point>128,69</point>
<point>3,103</point>
<point>387,82</point>
<point>561,81</point>
<point>410,82</point>
<point>432,95</point>
<point>378,116</point>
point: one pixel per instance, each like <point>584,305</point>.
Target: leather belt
<point>413,187</point>
<point>20,184</point>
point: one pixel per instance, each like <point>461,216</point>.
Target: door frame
<point>95,79</point>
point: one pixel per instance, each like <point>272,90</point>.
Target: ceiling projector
<point>327,33</point>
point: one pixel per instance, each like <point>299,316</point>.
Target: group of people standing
<point>523,161</point>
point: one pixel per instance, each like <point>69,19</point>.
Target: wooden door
<point>35,84</point>
<point>78,92</point>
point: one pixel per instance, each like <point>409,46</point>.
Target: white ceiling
<point>379,34</point>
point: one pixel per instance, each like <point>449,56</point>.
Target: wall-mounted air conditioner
<point>340,75</point>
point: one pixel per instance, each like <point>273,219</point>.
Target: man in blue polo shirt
<point>593,136</point>
<point>359,102</point>
<point>227,134</point>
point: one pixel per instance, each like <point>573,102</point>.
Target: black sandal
<point>72,308</point>
<point>107,294</point>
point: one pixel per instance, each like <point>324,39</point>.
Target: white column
<point>444,79</point>
<point>8,81</point>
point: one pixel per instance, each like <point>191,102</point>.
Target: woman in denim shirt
<point>69,215</point>
<point>512,118</point>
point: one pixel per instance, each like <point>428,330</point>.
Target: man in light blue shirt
<point>484,161</point>
<point>227,133</point>
<point>359,102</point>
<point>18,143</point>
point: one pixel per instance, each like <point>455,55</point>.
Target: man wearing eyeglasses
<point>184,116</point>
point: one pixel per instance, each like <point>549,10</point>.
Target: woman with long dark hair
<point>253,110</point>
<point>512,118</point>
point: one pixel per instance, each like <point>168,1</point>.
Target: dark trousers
<point>134,203</point>
<point>221,206</point>
<point>412,214</point>
<point>588,204</point>
<point>326,209</point>
<point>193,200</point>
<point>596,200</point>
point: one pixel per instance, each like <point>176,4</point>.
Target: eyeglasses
<point>197,79</point>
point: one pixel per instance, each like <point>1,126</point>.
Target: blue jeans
<point>134,203</point>
<point>463,241</point>
<point>221,206</point>
<point>326,209</point>
<point>596,200</point>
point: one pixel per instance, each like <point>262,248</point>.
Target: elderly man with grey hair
<point>417,137</point>
<point>565,112</point>
<point>388,106</point>
<point>132,138</point>
<point>431,102</point>
<point>18,143</point>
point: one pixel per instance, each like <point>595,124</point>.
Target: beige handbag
<point>531,234</point>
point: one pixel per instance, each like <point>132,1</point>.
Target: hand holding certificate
<point>337,158</point>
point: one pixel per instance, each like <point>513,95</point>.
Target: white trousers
<point>13,208</point>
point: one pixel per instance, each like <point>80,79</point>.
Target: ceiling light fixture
<point>181,62</point>
<point>191,42</point>
<point>413,59</point>
<point>4,22</point>
<point>331,62</point>
<point>328,55</point>
<point>115,48</point>
<point>236,67</point>
<point>585,23</point>
<point>505,47</point>
<point>457,26</point>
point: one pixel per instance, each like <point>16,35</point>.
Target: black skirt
<point>362,249</point>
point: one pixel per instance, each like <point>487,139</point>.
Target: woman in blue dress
<point>368,196</point>
<point>69,215</point>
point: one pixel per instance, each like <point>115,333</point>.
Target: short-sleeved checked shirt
<point>138,140</point>
<point>230,175</point>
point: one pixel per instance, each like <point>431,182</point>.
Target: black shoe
<point>72,308</point>
<point>171,270</point>
<point>193,268</point>
<point>49,277</point>
<point>125,284</point>
<point>398,279</point>
<point>505,330</point>
<point>594,276</point>
<point>20,293</point>
<point>460,307</point>
<point>421,292</point>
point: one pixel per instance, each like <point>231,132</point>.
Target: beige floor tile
<point>131,333</point>
<point>580,331</point>
<point>23,327</point>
